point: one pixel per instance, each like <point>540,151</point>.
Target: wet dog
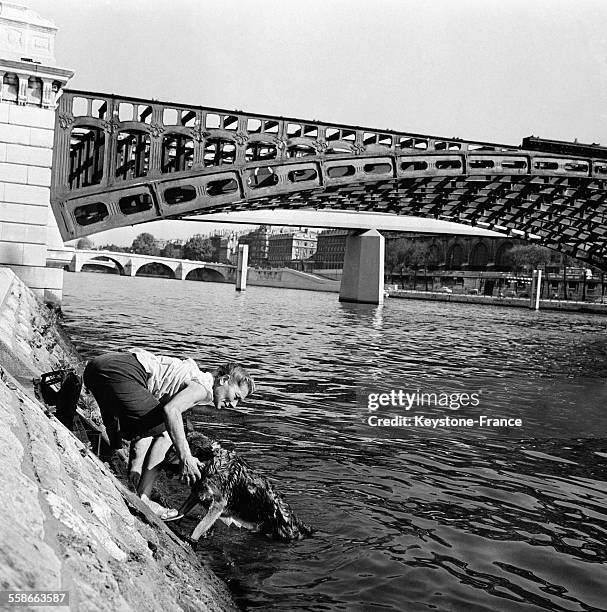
<point>233,492</point>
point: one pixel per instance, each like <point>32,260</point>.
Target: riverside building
<point>288,249</point>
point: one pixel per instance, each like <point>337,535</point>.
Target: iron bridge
<point>121,161</point>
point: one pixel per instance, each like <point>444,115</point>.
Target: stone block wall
<point>29,85</point>
<point>26,151</point>
<point>66,522</point>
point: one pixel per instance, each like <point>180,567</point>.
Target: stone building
<point>30,83</point>
<point>258,241</point>
<point>228,248</point>
<point>483,265</point>
<point>330,249</point>
<point>284,249</point>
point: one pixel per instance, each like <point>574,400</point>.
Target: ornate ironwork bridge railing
<point>121,161</point>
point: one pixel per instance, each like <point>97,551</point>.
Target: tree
<point>530,256</point>
<point>198,248</point>
<point>145,244</point>
<point>399,255</point>
<point>114,248</point>
<point>172,250</point>
<point>85,243</point>
<point>417,257</point>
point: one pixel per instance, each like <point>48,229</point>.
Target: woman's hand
<point>190,470</point>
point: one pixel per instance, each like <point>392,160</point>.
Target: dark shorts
<point>119,384</point>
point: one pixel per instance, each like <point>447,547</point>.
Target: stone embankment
<point>286,278</point>
<point>66,522</point>
<point>562,305</point>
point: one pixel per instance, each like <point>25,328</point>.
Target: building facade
<point>258,241</point>
<point>473,264</point>
<point>285,249</point>
<point>330,249</point>
<point>228,248</point>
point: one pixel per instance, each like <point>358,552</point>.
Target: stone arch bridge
<point>128,264</point>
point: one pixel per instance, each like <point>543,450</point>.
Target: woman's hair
<point>237,374</point>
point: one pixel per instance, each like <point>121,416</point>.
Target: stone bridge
<point>130,264</point>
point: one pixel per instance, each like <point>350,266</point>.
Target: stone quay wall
<point>66,522</point>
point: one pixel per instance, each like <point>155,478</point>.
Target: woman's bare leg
<point>137,455</point>
<point>154,456</point>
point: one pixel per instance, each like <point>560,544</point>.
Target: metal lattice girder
<point>122,161</point>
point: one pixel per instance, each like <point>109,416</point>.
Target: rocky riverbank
<point>66,522</point>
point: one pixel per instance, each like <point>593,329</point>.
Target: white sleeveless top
<point>169,375</point>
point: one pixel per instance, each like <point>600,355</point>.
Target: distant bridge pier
<point>242,267</point>
<point>130,269</point>
<point>181,272</point>
<point>76,263</point>
<point>363,276</point>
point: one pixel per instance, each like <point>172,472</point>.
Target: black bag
<point>61,388</point>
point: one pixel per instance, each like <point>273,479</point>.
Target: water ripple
<point>406,520</point>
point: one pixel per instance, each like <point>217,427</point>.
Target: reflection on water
<point>407,519</point>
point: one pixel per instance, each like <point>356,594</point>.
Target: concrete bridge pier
<point>180,272</point>
<point>363,276</point>
<point>242,267</point>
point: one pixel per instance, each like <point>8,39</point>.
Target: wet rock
<point>66,522</point>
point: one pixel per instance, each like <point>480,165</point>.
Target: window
<point>90,213</point>
<point>341,171</point>
<point>219,151</point>
<point>87,149</point>
<point>448,164</point>
<point>133,204</point>
<point>377,168</point>
<point>221,187</point>
<point>132,154</point>
<point>297,176</point>
<point>412,166</point>
<point>179,195</point>
<point>259,151</point>
<point>177,153</point>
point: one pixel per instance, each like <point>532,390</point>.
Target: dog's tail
<point>281,522</point>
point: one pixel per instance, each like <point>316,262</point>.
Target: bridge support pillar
<point>76,263</point>
<point>536,290</point>
<point>242,267</point>
<point>130,269</point>
<point>363,276</point>
<point>29,89</point>
<point>180,272</point>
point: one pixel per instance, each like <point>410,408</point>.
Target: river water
<point>407,517</point>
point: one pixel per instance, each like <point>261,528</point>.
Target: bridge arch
<point>435,252</point>
<point>203,273</point>
<point>456,256</point>
<point>503,259</point>
<point>153,268</point>
<point>104,258</point>
<point>479,256</point>
<point>83,257</point>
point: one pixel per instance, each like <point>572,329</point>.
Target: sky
<point>476,69</point>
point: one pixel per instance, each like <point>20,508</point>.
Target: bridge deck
<point>122,161</point>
